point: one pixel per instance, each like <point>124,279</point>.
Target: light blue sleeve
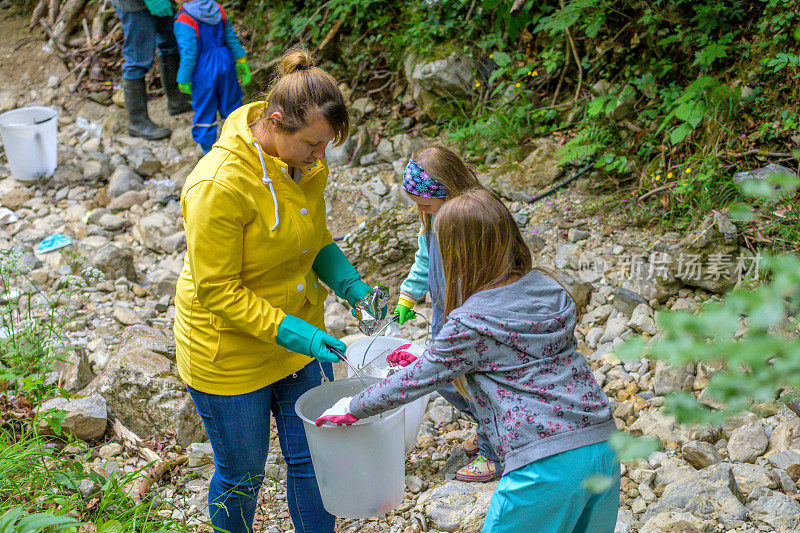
<point>187,46</point>
<point>416,283</point>
<point>233,41</point>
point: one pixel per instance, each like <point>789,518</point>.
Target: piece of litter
<point>53,242</point>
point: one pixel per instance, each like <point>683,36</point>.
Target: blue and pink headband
<point>419,183</point>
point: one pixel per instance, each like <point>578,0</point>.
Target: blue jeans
<point>455,399</point>
<point>238,428</point>
<point>143,32</point>
<point>547,495</point>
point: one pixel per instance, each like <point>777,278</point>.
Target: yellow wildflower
<point>658,177</point>
<point>491,56</point>
<point>669,175</point>
<point>689,170</point>
<point>535,73</point>
<point>518,84</point>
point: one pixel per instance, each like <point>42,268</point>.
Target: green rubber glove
<point>403,313</point>
<point>159,8</point>
<point>299,336</point>
<point>336,271</point>
<point>243,71</point>
<point>185,88</point>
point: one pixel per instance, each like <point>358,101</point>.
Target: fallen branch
<point>764,153</point>
<point>650,193</point>
<point>55,41</point>
<point>158,471</point>
<point>132,440</point>
<point>516,6</point>
<point>331,34</point>
<point>577,59</point>
<point>561,77</point>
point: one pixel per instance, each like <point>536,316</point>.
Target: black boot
<point>177,102</point>
<point>139,123</point>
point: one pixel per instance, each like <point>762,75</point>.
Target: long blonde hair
<point>302,88</point>
<point>481,245</point>
<point>448,169</point>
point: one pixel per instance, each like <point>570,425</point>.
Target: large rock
<point>142,388</point>
<point>123,180</point>
<point>779,512</point>
<point>456,506</point>
<point>657,424</point>
<point>748,477</point>
<point>700,454</point>
<point>747,443</point>
<point>382,248</point>
<point>153,229</point>
<point>650,276</point>
<point>164,276</point>
<point>676,522</point>
<point>521,181</point>
<point>668,378</point>
<point>143,161</point>
<point>436,84</point>
<point>709,493</point>
<point>114,262</point>
<point>86,417</point>
<point>707,257</point>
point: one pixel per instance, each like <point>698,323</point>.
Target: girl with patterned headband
<point>433,175</point>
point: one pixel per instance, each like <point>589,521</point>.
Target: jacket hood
<point>534,314</point>
<point>204,11</point>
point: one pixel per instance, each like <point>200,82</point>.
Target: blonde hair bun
<point>297,58</point>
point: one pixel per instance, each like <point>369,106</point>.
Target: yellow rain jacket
<point>252,234</point>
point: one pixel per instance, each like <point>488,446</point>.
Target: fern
<point>586,144</point>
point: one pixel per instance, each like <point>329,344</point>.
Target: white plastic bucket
<point>357,355</point>
<point>30,139</point>
<point>361,468</point>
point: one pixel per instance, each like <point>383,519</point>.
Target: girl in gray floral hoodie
<point>509,346</point>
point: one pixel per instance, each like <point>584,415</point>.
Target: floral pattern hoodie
<point>534,394</point>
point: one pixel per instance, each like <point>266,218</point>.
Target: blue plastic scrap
<point>54,242</point>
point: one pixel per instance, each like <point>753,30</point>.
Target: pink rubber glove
<point>404,355</point>
<point>339,414</point>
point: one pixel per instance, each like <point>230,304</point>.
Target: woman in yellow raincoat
<point>249,303</point>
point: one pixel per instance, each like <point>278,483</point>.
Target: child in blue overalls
<point>211,58</point>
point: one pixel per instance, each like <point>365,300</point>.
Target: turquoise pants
<point>547,496</point>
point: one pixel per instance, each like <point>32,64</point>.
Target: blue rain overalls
<point>215,87</point>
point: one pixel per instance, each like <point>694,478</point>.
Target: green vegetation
<point>748,340</point>
<point>40,485</point>
<point>670,98</point>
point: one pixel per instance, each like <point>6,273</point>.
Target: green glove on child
<point>185,88</point>
<point>243,71</point>
<point>159,8</point>
<point>403,313</point>
<point>299,336</point>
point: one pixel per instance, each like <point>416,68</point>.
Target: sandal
<point>479,470</point>
<point>470,446</point>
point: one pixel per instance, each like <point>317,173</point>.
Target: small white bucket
<point>30,139</point>
<point>357,355</point>
<point>361,468</point>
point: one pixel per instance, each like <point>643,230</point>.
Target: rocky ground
<point>117,198</point>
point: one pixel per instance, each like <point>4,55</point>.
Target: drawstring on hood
<point>268,182</point>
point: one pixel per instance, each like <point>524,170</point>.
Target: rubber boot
<point>177,102</point>
<point>139,123</point>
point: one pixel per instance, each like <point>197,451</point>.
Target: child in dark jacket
<point>211,58</point>
<point>508,344</point>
